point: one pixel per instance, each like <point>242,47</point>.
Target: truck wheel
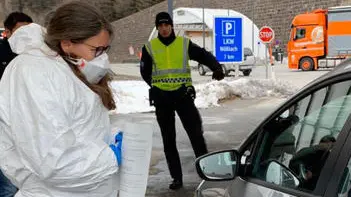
<point>225,71</point>
<point>306,64</point>
<point>246,72</point>
<point>201,69</point>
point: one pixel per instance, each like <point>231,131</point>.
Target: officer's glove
<point>117,147</point>
<point>190,91</point>
<point>218,74</point>
<point>151,96</point>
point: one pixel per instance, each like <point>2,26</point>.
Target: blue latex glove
<point>117,147</point>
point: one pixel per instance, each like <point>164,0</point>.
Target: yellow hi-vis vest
<point>170,63</point>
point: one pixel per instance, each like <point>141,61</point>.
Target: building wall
<point>135,29</point>
<point>346,2</point>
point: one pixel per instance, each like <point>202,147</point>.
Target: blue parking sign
<point>228,39</point>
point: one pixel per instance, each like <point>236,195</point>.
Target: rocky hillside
<point>113,9</point>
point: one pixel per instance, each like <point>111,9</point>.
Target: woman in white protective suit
<point>54,101</point>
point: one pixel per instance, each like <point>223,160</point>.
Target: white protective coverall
<point>54,131</point>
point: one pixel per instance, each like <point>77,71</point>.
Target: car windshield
<point>247,52</point>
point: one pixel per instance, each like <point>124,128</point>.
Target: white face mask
<point>95,69</point>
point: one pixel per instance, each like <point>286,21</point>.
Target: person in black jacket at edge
<point>11,24</point>
<point>165,68</point>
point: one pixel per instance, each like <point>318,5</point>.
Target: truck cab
<point>307,40</point>
<point>320,39</point>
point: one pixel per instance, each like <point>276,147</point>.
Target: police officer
<point>164,67</point>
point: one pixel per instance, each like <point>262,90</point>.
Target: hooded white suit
<point>54,131</point>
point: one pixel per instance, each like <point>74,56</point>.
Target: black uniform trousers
<point>167,103</point>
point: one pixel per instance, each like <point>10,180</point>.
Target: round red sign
<point>266,34</point>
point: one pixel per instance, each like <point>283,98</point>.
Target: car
<point>246,66</point>
<point>2,32</point>
<point>301,149</point>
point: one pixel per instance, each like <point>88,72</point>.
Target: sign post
<point>266,35</point>
<point>228,40</point>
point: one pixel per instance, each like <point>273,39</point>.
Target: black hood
<point>167,41</point>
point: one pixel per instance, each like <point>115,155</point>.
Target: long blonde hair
<point>78,21</point>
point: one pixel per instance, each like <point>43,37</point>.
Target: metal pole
<point>266,60</point>
<point>203,24</point>
<point>170,8</point>
<point>272,72</point>
<point>253,27</point>
<point>20,5</point>
<point>272,65</point>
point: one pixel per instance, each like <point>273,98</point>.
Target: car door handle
<point>304,47</point>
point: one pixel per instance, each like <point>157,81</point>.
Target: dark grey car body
<point>323,108</point>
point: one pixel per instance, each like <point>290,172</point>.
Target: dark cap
<point>163,17</point>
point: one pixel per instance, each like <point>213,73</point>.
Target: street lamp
<point>170,8</point>
<point>20,5</point>
<point>203,24</point>
<point>253,27</point>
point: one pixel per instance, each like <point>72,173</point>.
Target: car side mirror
<point>218,166</point>
<point>280,175</point>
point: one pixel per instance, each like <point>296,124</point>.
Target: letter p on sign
<point>228,28</point>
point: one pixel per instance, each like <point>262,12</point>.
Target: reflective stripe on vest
<point>170,67</point>
<point>172,80</point>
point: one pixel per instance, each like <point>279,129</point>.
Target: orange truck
<point>320,39</point>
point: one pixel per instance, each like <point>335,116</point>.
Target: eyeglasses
<point>99,50</point>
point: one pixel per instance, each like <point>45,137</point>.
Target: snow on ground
<point>132,96</point>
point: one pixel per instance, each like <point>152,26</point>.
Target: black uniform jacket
<point>194,51</point>
<point>6,55</point>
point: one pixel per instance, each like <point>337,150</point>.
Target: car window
<point>292,35</point>
<point>300,33</point>
<point>247,52</point>
<point>301,138</point>
<point>2,33</point>
<point>345,184</point>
